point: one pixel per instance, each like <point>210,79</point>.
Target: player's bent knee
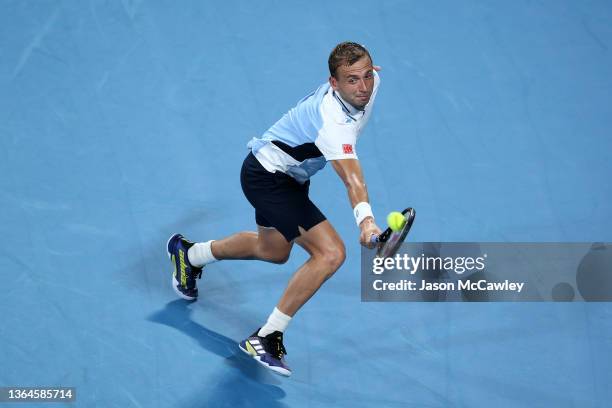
<point>274,257</point>
<point>279,259</point>
<point>334,258</point>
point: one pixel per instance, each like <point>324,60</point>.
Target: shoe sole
<point>174,281</point>
<point>276,370</point>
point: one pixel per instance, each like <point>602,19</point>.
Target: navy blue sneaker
<point>268,351</point>
<point>185,274</point>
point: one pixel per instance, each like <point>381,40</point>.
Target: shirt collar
<point>349,109</point>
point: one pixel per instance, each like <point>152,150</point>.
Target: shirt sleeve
<point>337,141</point>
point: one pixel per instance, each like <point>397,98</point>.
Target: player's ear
<point>333,82</point>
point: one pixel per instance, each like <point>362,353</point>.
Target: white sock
<point>200,254</point>
<point>277,321</point>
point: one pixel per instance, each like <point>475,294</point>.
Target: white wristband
<point>361,211</point>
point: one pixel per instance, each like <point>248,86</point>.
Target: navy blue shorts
<point>279,200</point>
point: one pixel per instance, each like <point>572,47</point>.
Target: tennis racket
<point>390,241</point>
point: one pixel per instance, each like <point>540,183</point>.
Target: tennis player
<point>275,177</point>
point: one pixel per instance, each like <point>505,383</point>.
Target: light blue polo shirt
<point>321,127</point>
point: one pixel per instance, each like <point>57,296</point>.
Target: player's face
<point>355,82</point>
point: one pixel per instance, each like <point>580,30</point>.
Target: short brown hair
<point>346,53</point>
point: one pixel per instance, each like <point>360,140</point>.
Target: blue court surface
<point>122,122</point>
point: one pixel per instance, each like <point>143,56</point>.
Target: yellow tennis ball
<point>396,220</point>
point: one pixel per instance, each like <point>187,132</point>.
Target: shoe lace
<point>197,272</point>
<point>277,346</point>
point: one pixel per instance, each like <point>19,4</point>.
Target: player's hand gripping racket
<point>389,241</point>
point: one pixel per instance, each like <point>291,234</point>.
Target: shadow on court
<point>245,383</point>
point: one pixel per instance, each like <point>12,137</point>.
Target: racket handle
<point>374,239</point>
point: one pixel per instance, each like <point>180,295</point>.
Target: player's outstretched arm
<point>350,172</point>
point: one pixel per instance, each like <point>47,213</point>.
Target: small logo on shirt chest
<point>347,148</point>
